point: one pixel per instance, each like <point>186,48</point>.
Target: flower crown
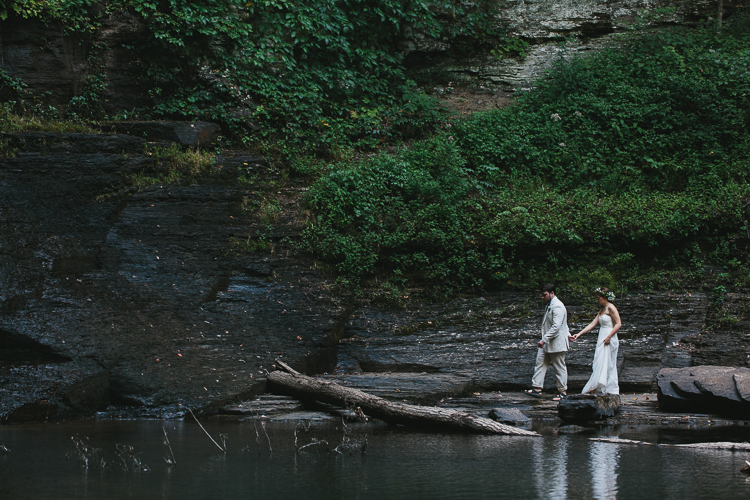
<point>609,295</point>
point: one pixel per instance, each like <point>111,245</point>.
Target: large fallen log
<point>310,388</point>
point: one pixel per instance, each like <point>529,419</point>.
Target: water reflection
<point>399,463</point>
<point>603,464</point>
<point>551,467</point>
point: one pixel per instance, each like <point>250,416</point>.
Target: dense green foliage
<point>314,72</point>
<point>626,166</point>
<point>631,160</point>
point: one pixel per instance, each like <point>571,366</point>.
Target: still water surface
<point>129,459</point>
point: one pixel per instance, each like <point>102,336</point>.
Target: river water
<point>129,459</point>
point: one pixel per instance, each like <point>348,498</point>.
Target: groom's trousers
<point>557,360</point>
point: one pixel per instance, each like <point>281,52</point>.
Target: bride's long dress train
<point>604,368</point>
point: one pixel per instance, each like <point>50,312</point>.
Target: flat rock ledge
<point>194,134</point>
<point>715,389</point>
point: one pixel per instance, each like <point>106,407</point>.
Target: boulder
<point>706,389</point>
<point>586,407</point>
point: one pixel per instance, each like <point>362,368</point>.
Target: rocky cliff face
<point>138,299</point>
<point>541,27</point>
<point>56,65</point>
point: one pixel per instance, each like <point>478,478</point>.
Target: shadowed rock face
<point>139,295</point>
<point>193,134</point>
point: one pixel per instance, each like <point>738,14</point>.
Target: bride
<point>604,377</point>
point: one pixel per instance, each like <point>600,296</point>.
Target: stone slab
<point>718,382</point>
<point>510,416</point>
<point>742,382</point>
<point>710,389</point>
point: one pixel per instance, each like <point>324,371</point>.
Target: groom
<point>553,346</point>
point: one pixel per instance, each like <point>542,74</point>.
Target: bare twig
<point>300,425</point>
<point>347,444</point>
<point>129,459</point>
<point>257,434</point>
<point>207,434</point>
<point>171,461</point>
<point>263,425</point>
<point>314,442</point>
<point>88,456</point>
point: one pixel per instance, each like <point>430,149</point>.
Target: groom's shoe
<point>560,397</point>
<point>533,393</point>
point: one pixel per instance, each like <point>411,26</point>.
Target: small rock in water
<point>510,416</point>
<point>571,429</point>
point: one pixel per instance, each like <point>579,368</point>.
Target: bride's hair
<point>605,293</point>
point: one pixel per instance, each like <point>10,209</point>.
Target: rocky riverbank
<point>148,301</point>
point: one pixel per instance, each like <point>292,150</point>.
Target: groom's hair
<point>549,288</point>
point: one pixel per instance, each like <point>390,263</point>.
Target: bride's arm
<point>617,323</point>
<point>587,329</point>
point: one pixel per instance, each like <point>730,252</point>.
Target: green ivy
<point>302,72</point>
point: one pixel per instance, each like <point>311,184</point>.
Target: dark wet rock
<point>510,416</point>
<point>146,286</point>
<point>584,407</point>
<point>709,389</point>
<point>52,142</point>
<point>186,133</point>
<point>724,338</point>
<point>426,388</point>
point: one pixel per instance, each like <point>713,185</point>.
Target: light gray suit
<point>555,336</point>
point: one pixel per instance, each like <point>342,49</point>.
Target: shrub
<point>630,162</point>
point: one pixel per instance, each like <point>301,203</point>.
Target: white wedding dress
<point>604,377</point>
